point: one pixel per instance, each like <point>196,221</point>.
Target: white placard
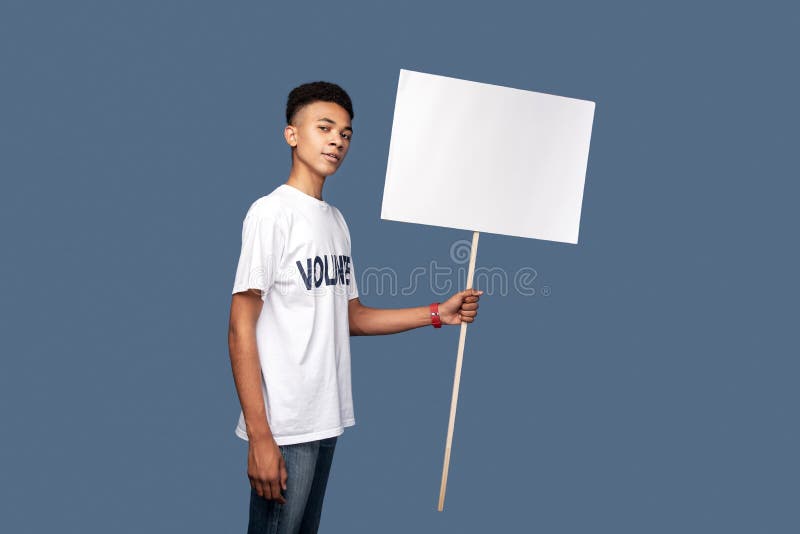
<point>487,158</point>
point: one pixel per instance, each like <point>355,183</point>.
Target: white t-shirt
<point>296,250</point>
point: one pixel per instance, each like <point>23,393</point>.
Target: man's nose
<point>335,140</point>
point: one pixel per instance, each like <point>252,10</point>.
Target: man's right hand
<point>266,469</point>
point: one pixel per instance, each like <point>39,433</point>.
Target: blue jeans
<point>307,469</point>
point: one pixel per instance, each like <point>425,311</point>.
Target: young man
<point>295,303</point>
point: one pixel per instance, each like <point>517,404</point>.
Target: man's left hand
<point>460,308</point>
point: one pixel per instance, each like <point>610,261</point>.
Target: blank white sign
<point>487,158</point>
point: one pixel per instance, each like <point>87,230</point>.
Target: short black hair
<point>308,93</point>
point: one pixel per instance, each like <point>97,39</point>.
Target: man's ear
<point>290,134</point>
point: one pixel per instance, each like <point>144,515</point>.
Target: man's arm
<point>366,321</point>
<point>265,465</point>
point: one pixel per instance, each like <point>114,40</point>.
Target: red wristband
<point>435,319</point>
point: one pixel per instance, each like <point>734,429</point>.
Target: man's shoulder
<point>340,217</point>
<point>268,206</point>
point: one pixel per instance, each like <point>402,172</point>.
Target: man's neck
<point>309,183</point>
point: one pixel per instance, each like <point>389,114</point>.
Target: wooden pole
<point>457,379</point>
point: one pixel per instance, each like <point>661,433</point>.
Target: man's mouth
<point>331,157</point>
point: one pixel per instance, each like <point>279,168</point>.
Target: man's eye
<point>323,128</point>
<point>346,136</point>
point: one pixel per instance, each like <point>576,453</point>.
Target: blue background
<point>653,390</point>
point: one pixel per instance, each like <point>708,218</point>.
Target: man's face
<point>320,134</point>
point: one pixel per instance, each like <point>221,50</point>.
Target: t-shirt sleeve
<point>352,288</point>
<point>263,241</point>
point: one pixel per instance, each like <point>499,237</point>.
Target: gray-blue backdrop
<point>648,385</point>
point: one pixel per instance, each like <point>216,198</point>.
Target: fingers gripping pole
<point>457,379</point>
